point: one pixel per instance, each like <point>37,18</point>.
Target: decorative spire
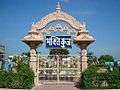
<point>58,6</point>
<point>84,26</point>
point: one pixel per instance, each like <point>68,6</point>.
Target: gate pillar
<point>83,58</point>
<point>33,63</point>
<point>33,40</point>
<point>83,40</point>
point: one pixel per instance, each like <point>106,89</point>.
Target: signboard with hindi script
<point>58,41</point>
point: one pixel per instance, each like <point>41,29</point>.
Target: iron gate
<point>58,68</point>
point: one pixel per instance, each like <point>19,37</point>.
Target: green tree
<point>92,59</point>
<point>105,58</point>
<point>59,51</point>
<point>16,59</point>
<point>26,53</point>
<point>25,57</point>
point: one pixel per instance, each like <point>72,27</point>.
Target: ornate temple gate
<point>56,68</point>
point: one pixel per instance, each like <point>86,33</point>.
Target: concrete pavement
<point>56,86</point>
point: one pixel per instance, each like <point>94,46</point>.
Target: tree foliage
<point>58,51</point>
<point>26,53</point>
<point>92,79</point>
<point>105,58</point>
<point>20,78</point>
<point>92,59</point>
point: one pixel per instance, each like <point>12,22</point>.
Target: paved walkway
<point>56,86</point>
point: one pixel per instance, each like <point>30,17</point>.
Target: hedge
<point>91,79</point>
<point>22,78</point>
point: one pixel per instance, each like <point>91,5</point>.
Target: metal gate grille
<point>58,68</point>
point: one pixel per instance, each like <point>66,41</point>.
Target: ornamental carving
<point>57,16</point>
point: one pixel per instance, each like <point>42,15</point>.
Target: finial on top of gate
<point>84,26</point>
<point>58,6</point>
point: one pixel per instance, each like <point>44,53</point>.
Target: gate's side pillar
<point>33,40</point>
<point>33,63</point>
<point>84,63</point>
<point>83,40</point>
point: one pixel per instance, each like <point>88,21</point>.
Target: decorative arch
<point>35,38</point>
<point>57,16</point>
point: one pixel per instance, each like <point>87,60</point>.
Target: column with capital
<point>33,40</point>
<point>83,40</point>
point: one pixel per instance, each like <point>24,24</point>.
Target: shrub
<point>3,79</point>
<point>26,76</point>
<point>23,78</point>
<point>14,81</point>
<point>92,79</point>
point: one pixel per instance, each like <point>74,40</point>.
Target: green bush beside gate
<point>21,77</point>
<point>93,78</point>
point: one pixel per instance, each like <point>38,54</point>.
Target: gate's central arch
<point>72,27</point>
